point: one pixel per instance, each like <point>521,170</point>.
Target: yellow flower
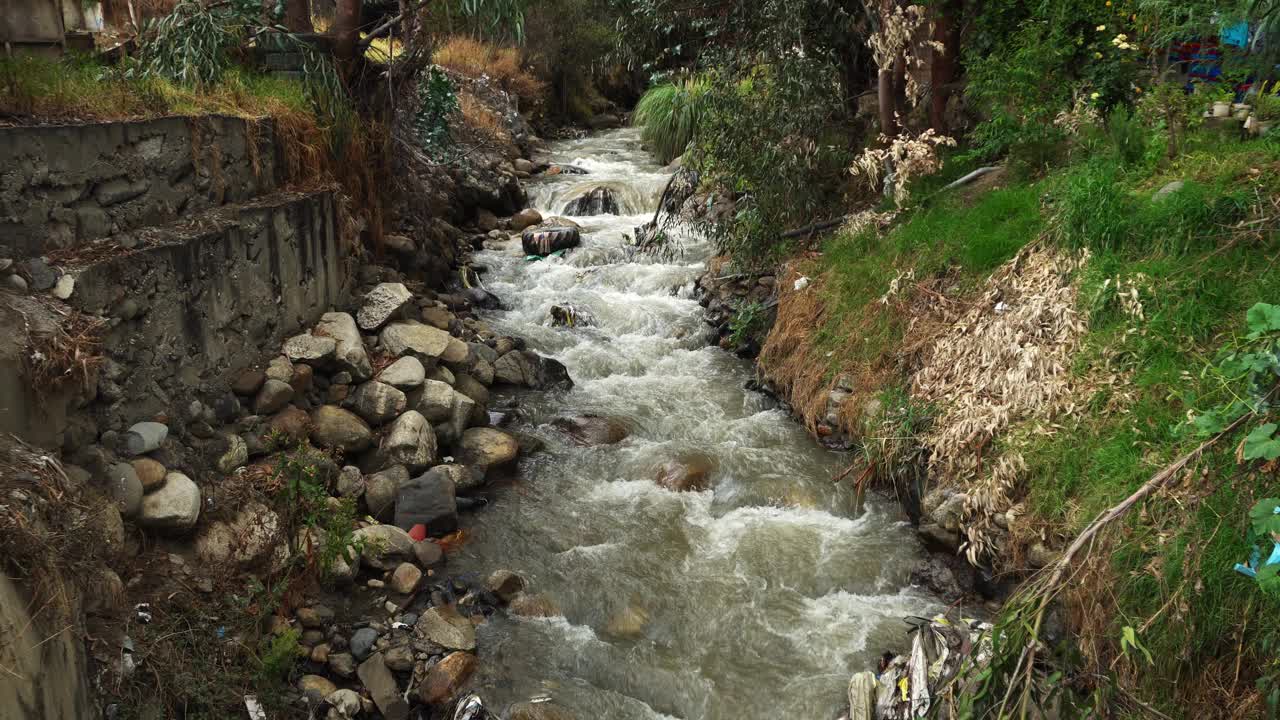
<point>1108,3</point>
<point>1098,55</point>
<point>1095,96</point>
<point>1137,89</point>
<point>1100,28</point>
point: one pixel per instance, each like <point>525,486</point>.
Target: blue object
<point>1237,35</point>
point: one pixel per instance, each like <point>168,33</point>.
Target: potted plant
<point>1222,100</point>
<point>1266,112</point>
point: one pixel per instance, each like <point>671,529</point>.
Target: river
<point>754,598</point>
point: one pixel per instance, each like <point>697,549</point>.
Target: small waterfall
<point>754,598</point>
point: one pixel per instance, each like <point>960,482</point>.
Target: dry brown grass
<point>1004,361</point>
<point>476,59</point>
<point>51,532</point>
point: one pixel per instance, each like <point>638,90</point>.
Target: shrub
<point>476,58</point>
<point>668,114</point>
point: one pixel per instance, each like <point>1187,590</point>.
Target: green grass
<point>81,88</point>
<point>947,234</point>
<point>668,115</point>
<point>1171,565</point>
<point>1172,555</point>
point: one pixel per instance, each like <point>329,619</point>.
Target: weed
<point>437,100</point>
<point>668,115</point>
<point>748,322</point>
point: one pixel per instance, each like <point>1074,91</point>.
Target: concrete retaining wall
<point>201,301</point>
<point>63,185</point>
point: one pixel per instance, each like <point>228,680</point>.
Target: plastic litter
<point>802,283</point>
<point>254,707</point>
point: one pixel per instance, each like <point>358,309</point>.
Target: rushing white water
<point>755,598</point>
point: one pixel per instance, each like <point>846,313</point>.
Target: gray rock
<point>382,687</point>
<point>125,488</point>
<point>465,478</point>
<point>456,353</point>
<point>436,401</point>
<point>378,402</point>
<point>443,626</point>
<point>442,374</point>
<point>236,455</point>
<point>342,664</point>
<point>505,584</point>
<point>175,506</point>
<point>412,338</point>
<point>15,283</point>
<point>346,702</point>
<point>249,538</point>
<point>411,442</point>
<point>311,349</point>
<point>381,304</point>
<point>406,373</point>
<point>144,437</point>
<point>385,546</point>
<point>1163,193</point>
<point>349,353</point>
<point>333,427</point>
<point>272,397</point>
<point>525,368</point>
<point>362,642</point>
<point>488,449</point>
<point>350,482</point>
<point>472,388</point>
<point>399,658</point>
<point>430,500</point>
<point>461,416</point>
<point>381,489</point>
<point>429,555</point>
<point>280,368</point>
<point>482,370</point>
<point>42,275</point>
<point>405,578</point>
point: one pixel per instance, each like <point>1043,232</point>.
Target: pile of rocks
<point>418,649</point>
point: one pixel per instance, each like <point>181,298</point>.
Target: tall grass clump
<point>1097,208</point>
<point>477,58</point>
<point>668,114</point>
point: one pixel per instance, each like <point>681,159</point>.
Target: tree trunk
<point>884,95</point>
<point>900,89</point>
<point>346,30</point>
<point>297,16</point>
<point>943,66</point>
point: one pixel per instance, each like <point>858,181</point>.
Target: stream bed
<point>756,597</point>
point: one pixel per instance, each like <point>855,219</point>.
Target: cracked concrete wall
<point>64,185</point>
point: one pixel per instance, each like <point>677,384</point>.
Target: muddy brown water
<point>757,597</point>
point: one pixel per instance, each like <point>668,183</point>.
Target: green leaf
<point>1129,639</point>
<point>1209,423</point>
<point>1262,443</point>
<point>1262,318</point>
<point>1269,579</point>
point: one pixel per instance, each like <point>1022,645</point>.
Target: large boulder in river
<point>526,368</point>
<point>543,240</point>
<point>592,429</point>
<point>598,201</point>
<point>333,427</point>
<point>428,500</point>
<point>525,218</point>
<point>447,677</point>
<point>689,472</point>
<point>488,448</point>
